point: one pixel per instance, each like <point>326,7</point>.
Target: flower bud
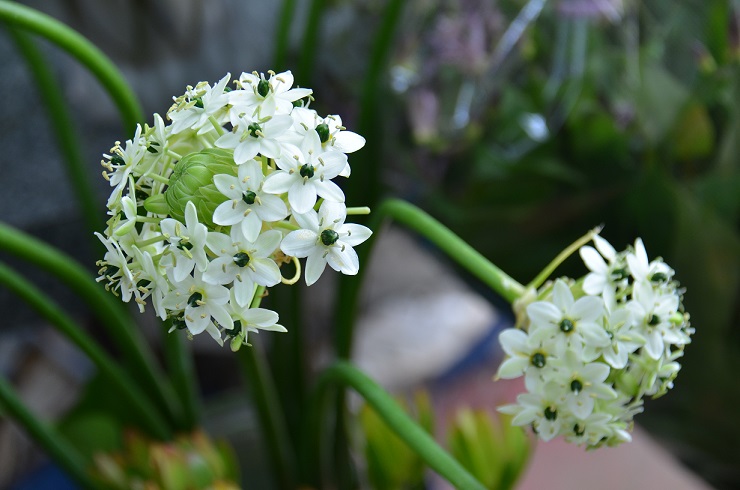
<point>192,180</point>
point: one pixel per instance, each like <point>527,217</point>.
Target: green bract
<point>192,180</point>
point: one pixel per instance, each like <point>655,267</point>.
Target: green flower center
<point>263,87</point>
<point>179,323</point>
<point>199,103</point>
<point>241,259</point>
<point>117,159</point>
<point>194,299</point>
<point>236,330</point>
<point>253,128</point>
<point>578,430</point>
<point>566,326</point>
<point>184,245</point>
<point>329,237</point>
<point>249,197</point>
<point>620,274</point>
<point>653,320</point>
<point>307,171</point>
<point>658,277</point>
<point>551,413</point>
<point>538,360</point>
<point>323,130</point>
<point>576,386</point>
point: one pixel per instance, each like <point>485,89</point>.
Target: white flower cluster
<point>590,350</point>
<point>205,210</point>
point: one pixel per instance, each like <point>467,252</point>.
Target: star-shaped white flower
<point>606,277</point>
<point>582,383</point>
<point>524,355</point>
<point>259,97</point>
<point>325,238</point>
<point>567,322</point>
<point>653,312</point>
<point>252,137</point>
<point>305,173</point>
<point>187,244</point>
<point>248,205</point>
<point>202,103</point>
<point>243,262</point>
<point>644,271</point>
<point>252,320</point>
<point>200,303</point>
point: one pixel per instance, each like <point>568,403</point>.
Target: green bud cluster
<point>192,180</point>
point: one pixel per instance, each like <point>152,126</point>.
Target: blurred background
<point>519,124</point>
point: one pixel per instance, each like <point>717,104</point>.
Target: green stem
<point>56,447</point>
<point>307,60</point>
<point>283,34</point>
<point>153,421</point>
<point>345,374</point>
<point>455,247</point>
<point>269,409</point>
<point>83,50</point>
<point>365,185</point>
<point>572,248</point>
<point>105,307</point>
<point>180,365</point>
<point>62,126</point>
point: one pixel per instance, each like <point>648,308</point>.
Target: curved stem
<point>570,250</point>
<point>56,447</point>
<point>62,126</point>
<point>269,409</point>
<point>103,304</point>
<point>455,247</point>
<point>83,50</point>
<point>155,424</point>
<point>345,374</point>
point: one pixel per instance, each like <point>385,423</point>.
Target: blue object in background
<point>48,477</point>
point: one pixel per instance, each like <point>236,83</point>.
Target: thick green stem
<point>455,247</point>
<point>345,374</point>
<point>62,126</point>
<point>283,34</point>
<point>139,403</point>
<point>307,60</point>
<point>269,410</point>
<point>104,305</point>
<point>83,50</point>
<point>179,359</point>
<point>56,447</point>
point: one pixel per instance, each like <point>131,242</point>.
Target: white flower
<point>625,339</point>
<point>158,286</point>
<point>582,383</point>
<point>325,238</point>
<point>252,137</point>
<point>249,205</point>
<point>200,303</point>
<point>524,355</point>
<point>115,270</point>
<point>250,320</point>
<point>654,313</point>
<point>305,173</point>
<point>644,271</point>
<point>121,163</point>
<point>605,278</point>
<point>332,134</point>
<point>198,105</point>
<point>569,323</point>
<point>539,407</point>
<point>262,98</point>
<point>187,244</point>
<point>243,262</point>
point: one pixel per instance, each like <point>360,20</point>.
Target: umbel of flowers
<point>591,350</point>
<point>206,210</point>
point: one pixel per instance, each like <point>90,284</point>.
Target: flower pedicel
<point>205,210</point>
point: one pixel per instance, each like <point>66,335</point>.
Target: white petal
<point>356,234</point>
<point>593,259</point>
<point>278,182</point>
<point>265,272</point>
<point>348,142</point>
<point>315,265</point>
<point>246,150</point>
<point>251,226</point>
<point>261,317</point>
<point>300,243</point>
<point>329,191</point>
<point>302,196</point>
<point>267,243</point>
<point>228,185</point>
<point>345,260</point>
<point>544,313</point>
<point>271,208</point>
<point>229,212</point>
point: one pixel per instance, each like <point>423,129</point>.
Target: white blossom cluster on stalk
<point>591,350</point>
<point>207,209</point>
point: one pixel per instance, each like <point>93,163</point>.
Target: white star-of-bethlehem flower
<point>324,238</point>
